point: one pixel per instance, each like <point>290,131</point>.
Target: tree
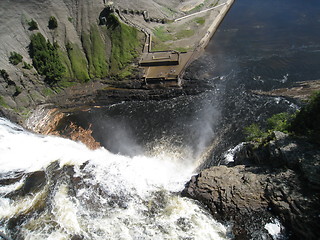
<point>45,58</point>
<point>53,23</point>
<point>307,120</point>
<point>15,58</point>
<point>4,74</point>
<point>33,25</point>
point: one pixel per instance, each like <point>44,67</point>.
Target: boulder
<point>276,179</point>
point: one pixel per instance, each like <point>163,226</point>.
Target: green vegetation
<point>78,62</point>
<point>46,59</point>
<point>3,103</point>
<point>157,45</point>
<point>70,19</point>
<point>307,120</point>
<point>200,20</point>
<point>214,4</point>
<point>181,49</point>
<point>163,37</point>
<point>185,33</point>
<point>162,34</point>
<point>278,122</point>
<point>33,25</point>
<point>48,92</point>
<point>254,132</point>
<point>18,91</point>
<point>66,63</point>
<point>15,58</point>
<point>27,66</point>
<point>196,8</point>
<point>124,41</point>
<point>304,123</point>
<point>4,74</point>
<point>53,23</point>
<point>95,50</point>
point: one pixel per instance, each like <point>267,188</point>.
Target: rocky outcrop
<point>279,178</point>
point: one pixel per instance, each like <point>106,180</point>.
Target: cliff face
<point>84,41</point>
<point>279,179</point>
<point>85,48</point>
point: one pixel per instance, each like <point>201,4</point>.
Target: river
<point>130,188</point>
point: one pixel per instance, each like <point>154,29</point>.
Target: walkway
<point>193,14</point>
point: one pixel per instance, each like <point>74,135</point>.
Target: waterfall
<point>54,188</point>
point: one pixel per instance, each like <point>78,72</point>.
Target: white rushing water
<point>103,196</point>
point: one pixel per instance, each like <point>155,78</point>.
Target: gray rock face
<point>278,179</point>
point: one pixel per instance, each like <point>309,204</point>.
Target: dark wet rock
<point>77,237</point>
<point>234,195</point>
<point>284,151</point>
<point>5,237</point>
<point>278,178</point>
<point>11,178</point>
<point>34,182</point>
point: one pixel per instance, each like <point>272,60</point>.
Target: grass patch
<point>200,20</point>
<point>48,92</point>
<point>3,103</point>
<point>158,45</point>
<point>162,34</point>
<point>66,63</point>
<point>124,41</point>
<point>95,50</point>
<point>214,4</point>
<point>185,33</point>
<point>181,49</point>
<point>196,8</point>
<point>78,62</point>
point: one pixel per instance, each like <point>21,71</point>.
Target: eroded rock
<point>279,178</point>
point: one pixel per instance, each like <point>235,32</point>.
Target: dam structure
<point>182,39</point>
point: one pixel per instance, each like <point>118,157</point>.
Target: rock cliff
<point>86,48</point>
<point>278,179</point>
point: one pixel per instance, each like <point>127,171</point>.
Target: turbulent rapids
<point>54,188</point>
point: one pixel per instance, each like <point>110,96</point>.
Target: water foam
<point>116,197</point>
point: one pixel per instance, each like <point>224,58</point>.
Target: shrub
<point>304,123</point>
<point>4,74</point>
<point>15,58</point>
<point>33,25</point>
<point>53,23</point>
<point>307,119</point>
<point>254,132</point>
<point>45,58</point>
<point>278,122</point>
<point>27,66</point>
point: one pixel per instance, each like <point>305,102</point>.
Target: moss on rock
<point>78,61</point>
<point>95,50</point>
<point>124,44</point>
